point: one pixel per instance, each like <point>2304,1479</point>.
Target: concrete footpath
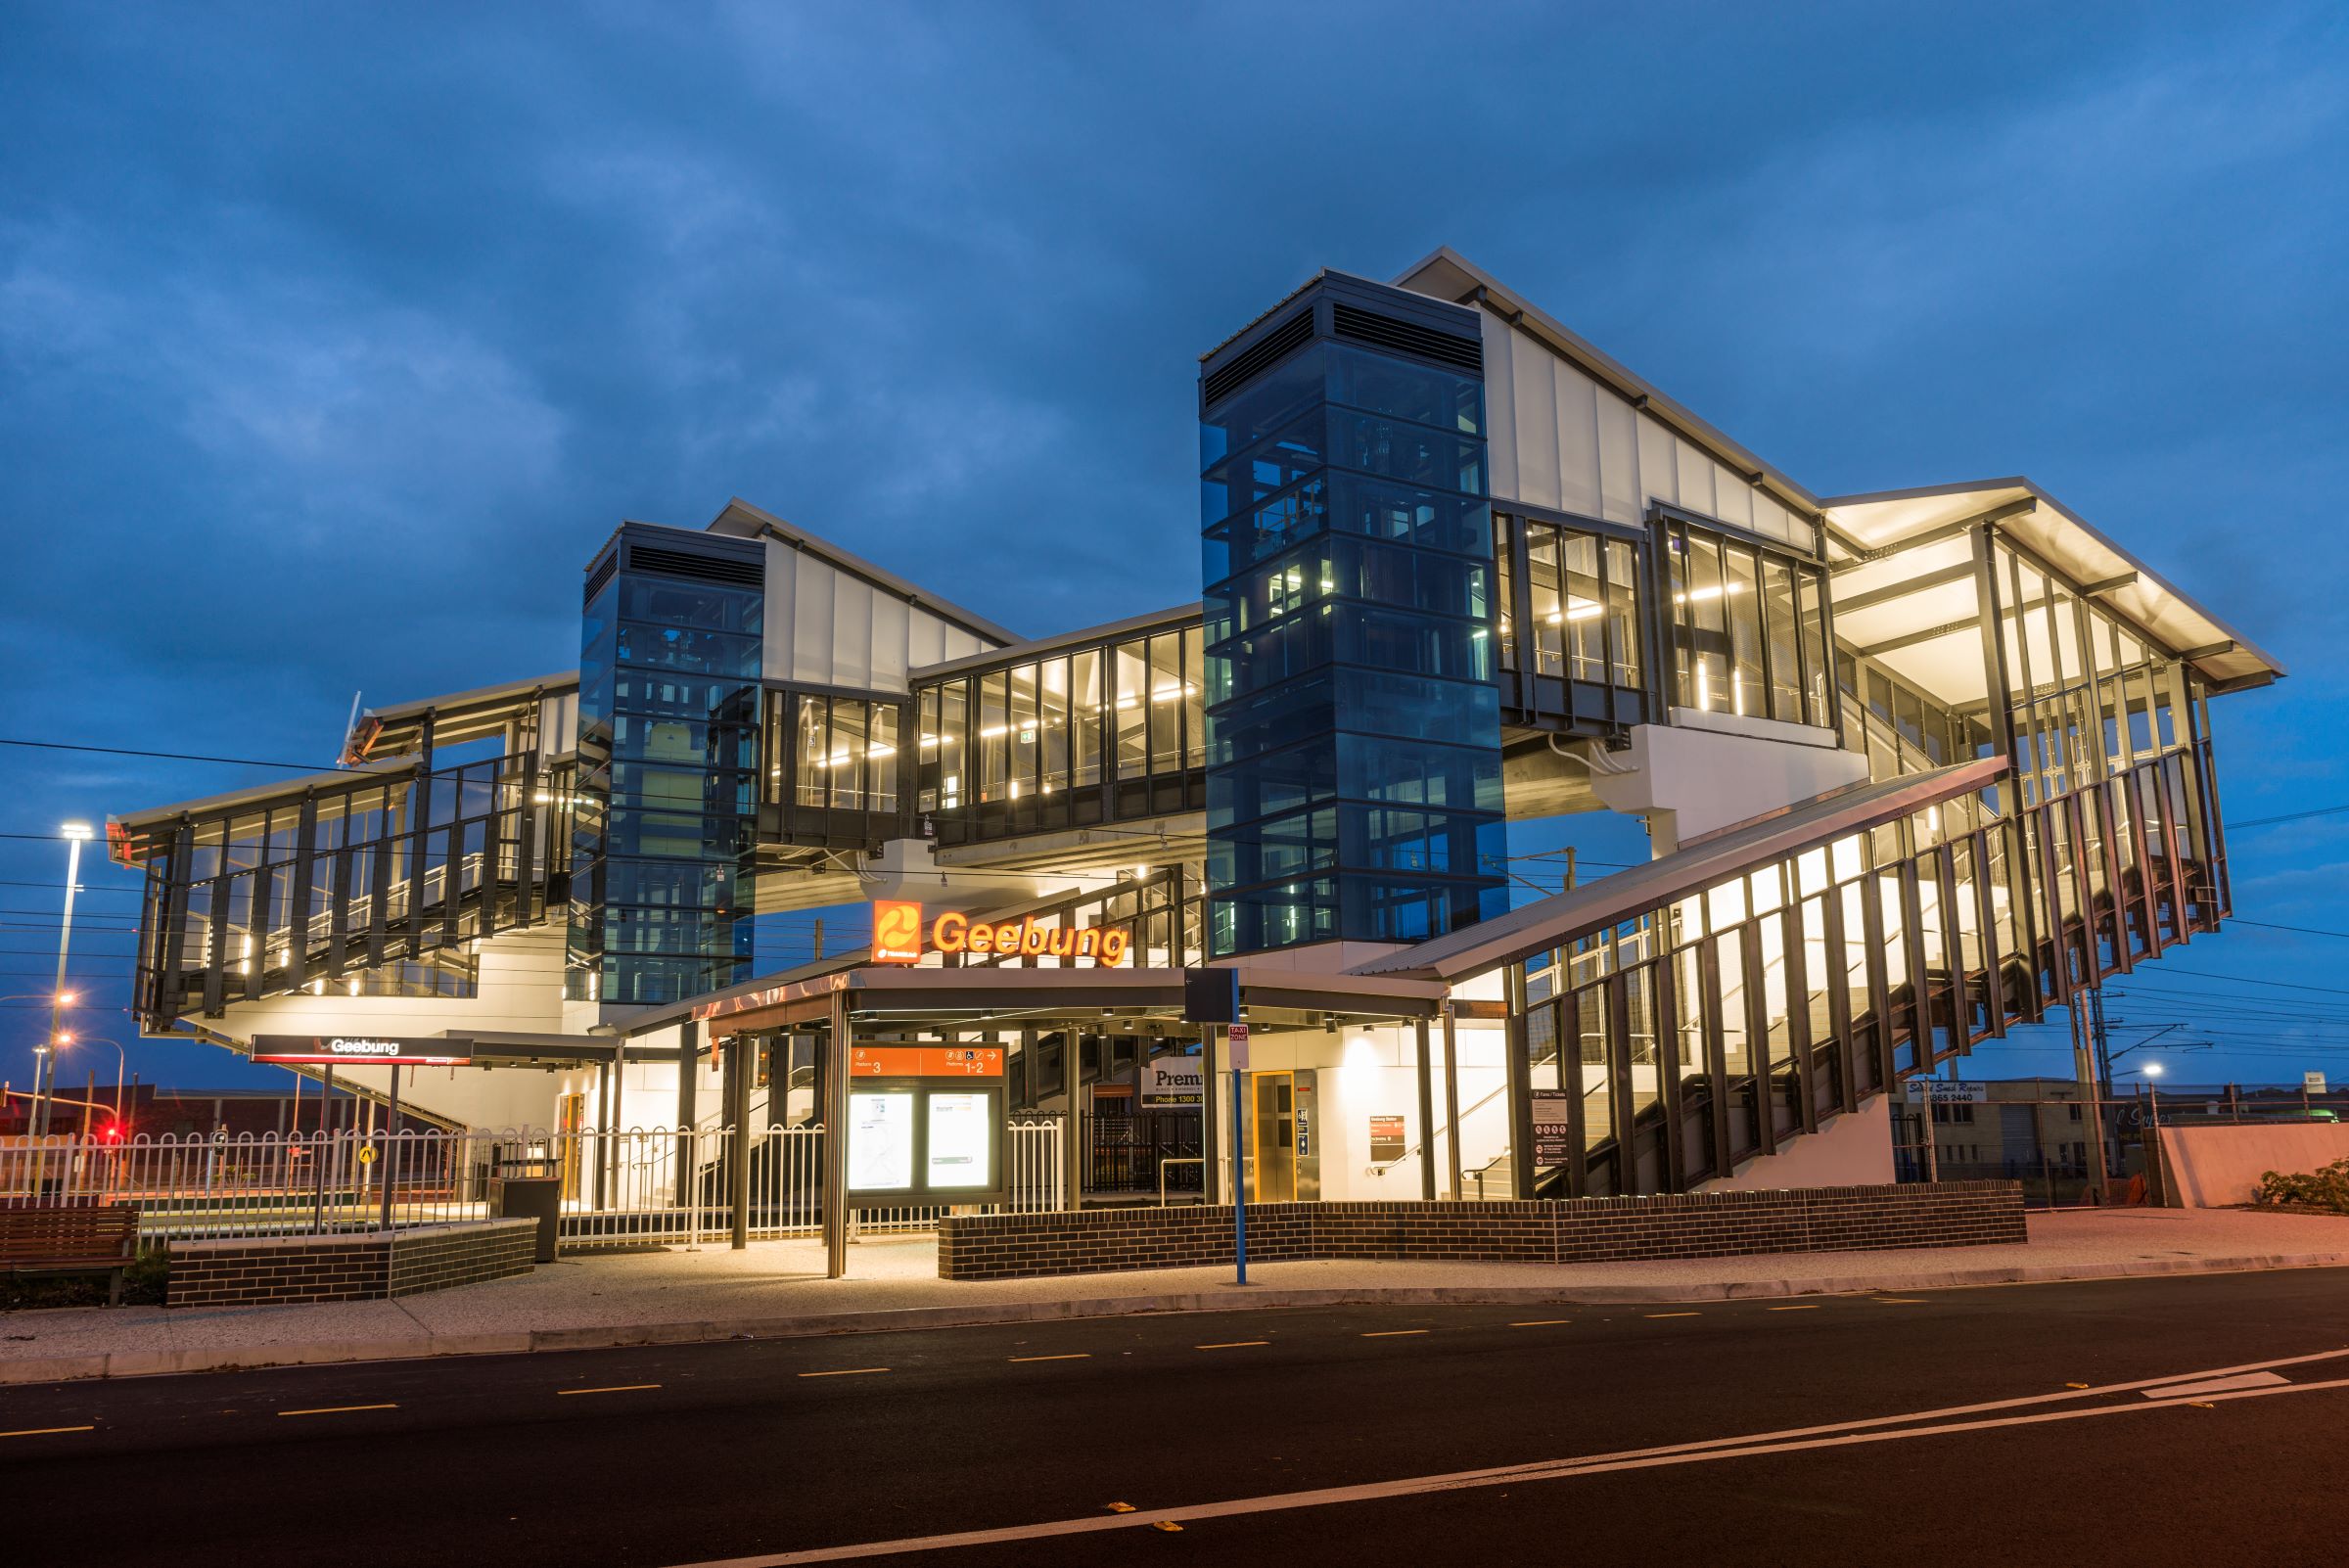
<point>777,1289</point>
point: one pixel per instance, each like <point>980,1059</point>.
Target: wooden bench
<point>70,1239</point>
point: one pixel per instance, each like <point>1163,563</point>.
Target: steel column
<point>837,1042</point>
<point>1451,1100</point>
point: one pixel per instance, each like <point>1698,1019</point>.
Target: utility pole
<point>2091,1080</point>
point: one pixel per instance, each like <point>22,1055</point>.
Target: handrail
<point>1165,1160</point>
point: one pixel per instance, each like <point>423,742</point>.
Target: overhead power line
<point>182,757</point>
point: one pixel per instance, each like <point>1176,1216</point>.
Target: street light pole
<point>44,1064</point>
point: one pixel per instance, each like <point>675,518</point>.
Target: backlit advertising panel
<point>961,1145</point>
<point>879,1140</point>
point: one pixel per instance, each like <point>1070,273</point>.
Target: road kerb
<point>27,1369</point>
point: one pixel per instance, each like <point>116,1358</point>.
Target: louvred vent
<point>700,567</point>
<point>1268,350</point>
<point>1408,338</point>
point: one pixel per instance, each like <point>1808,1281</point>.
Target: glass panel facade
<point>1747,629</point>
<point>1353,746</point>
<point>1108,730</point>
<point>670,718</point>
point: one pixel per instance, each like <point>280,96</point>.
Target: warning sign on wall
<point>1553,1130</point>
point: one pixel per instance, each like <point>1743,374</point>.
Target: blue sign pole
<point>1239,1149</point>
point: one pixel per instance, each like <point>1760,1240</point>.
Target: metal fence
<point>2042,1132</point>
<point>1129,1152</point>
<point>644,1187</point>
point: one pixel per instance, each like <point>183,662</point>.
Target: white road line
<point>1827,1435</point>
<point>1456,1481</point>
<point>2215,1385</point>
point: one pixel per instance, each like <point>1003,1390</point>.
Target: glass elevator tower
<point>1353,718</point>
<point>666,822</point>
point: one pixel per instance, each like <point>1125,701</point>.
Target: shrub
<point>2328,1189</point>
<point>144,1282</point>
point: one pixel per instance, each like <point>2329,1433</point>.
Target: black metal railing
<point>360,884</point>
<point>1715,1029</point>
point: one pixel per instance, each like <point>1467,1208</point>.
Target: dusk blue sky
<point>334,338</point>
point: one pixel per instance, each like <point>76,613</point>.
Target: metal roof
<point>457,716</point>
<point>2133,591</point>
<point>1109,631</point>
<point>1445,275</point>
<point>740,518</point>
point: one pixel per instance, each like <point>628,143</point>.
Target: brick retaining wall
<point>1679,1224</point>
<point>285,1271</point>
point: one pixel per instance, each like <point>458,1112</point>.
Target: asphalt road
<point>1827,1430</point>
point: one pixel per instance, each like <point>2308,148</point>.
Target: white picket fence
<point>644,1187</point>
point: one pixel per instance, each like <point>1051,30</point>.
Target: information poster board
<point>959,1154</point>
<point>1553,1127</point>
<point>926,1124</point>
<point>880,1139</point>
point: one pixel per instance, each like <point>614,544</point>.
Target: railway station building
<point>1915,767</point>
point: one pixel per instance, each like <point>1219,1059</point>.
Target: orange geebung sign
<point>897,937</point>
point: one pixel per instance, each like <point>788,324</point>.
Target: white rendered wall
<point>828,627</point>
<point>1362,1073</point>
<point>521,992</point>
<point>1851,1150</point>
<point>1558,438</point>
<point>1687,781</point>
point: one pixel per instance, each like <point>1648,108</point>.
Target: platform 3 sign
<point>370,1050</point>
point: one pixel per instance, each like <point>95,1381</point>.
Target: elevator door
<point>1271,1138</point>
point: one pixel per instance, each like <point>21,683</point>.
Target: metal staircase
<point>1672,1024</point>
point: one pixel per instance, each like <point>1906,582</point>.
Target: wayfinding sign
<point>925,1123</point>
<point>375,1050</point>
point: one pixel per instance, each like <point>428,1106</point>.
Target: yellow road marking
<point>46,1431</point>
<point>847,1372</point>
<point>1233,1344</point>
<point>617,1388</point>
<point>338,1410</point>
<point>1808,1307</point>
<point>1073,1355</point>
<point>1393,1333</point>
<point>1901,1300</point>
<point>1541,1323</point>
<point>1676,1315</point>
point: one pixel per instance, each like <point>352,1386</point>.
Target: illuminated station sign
<point>367,1050</point>
<point>897,937</point>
